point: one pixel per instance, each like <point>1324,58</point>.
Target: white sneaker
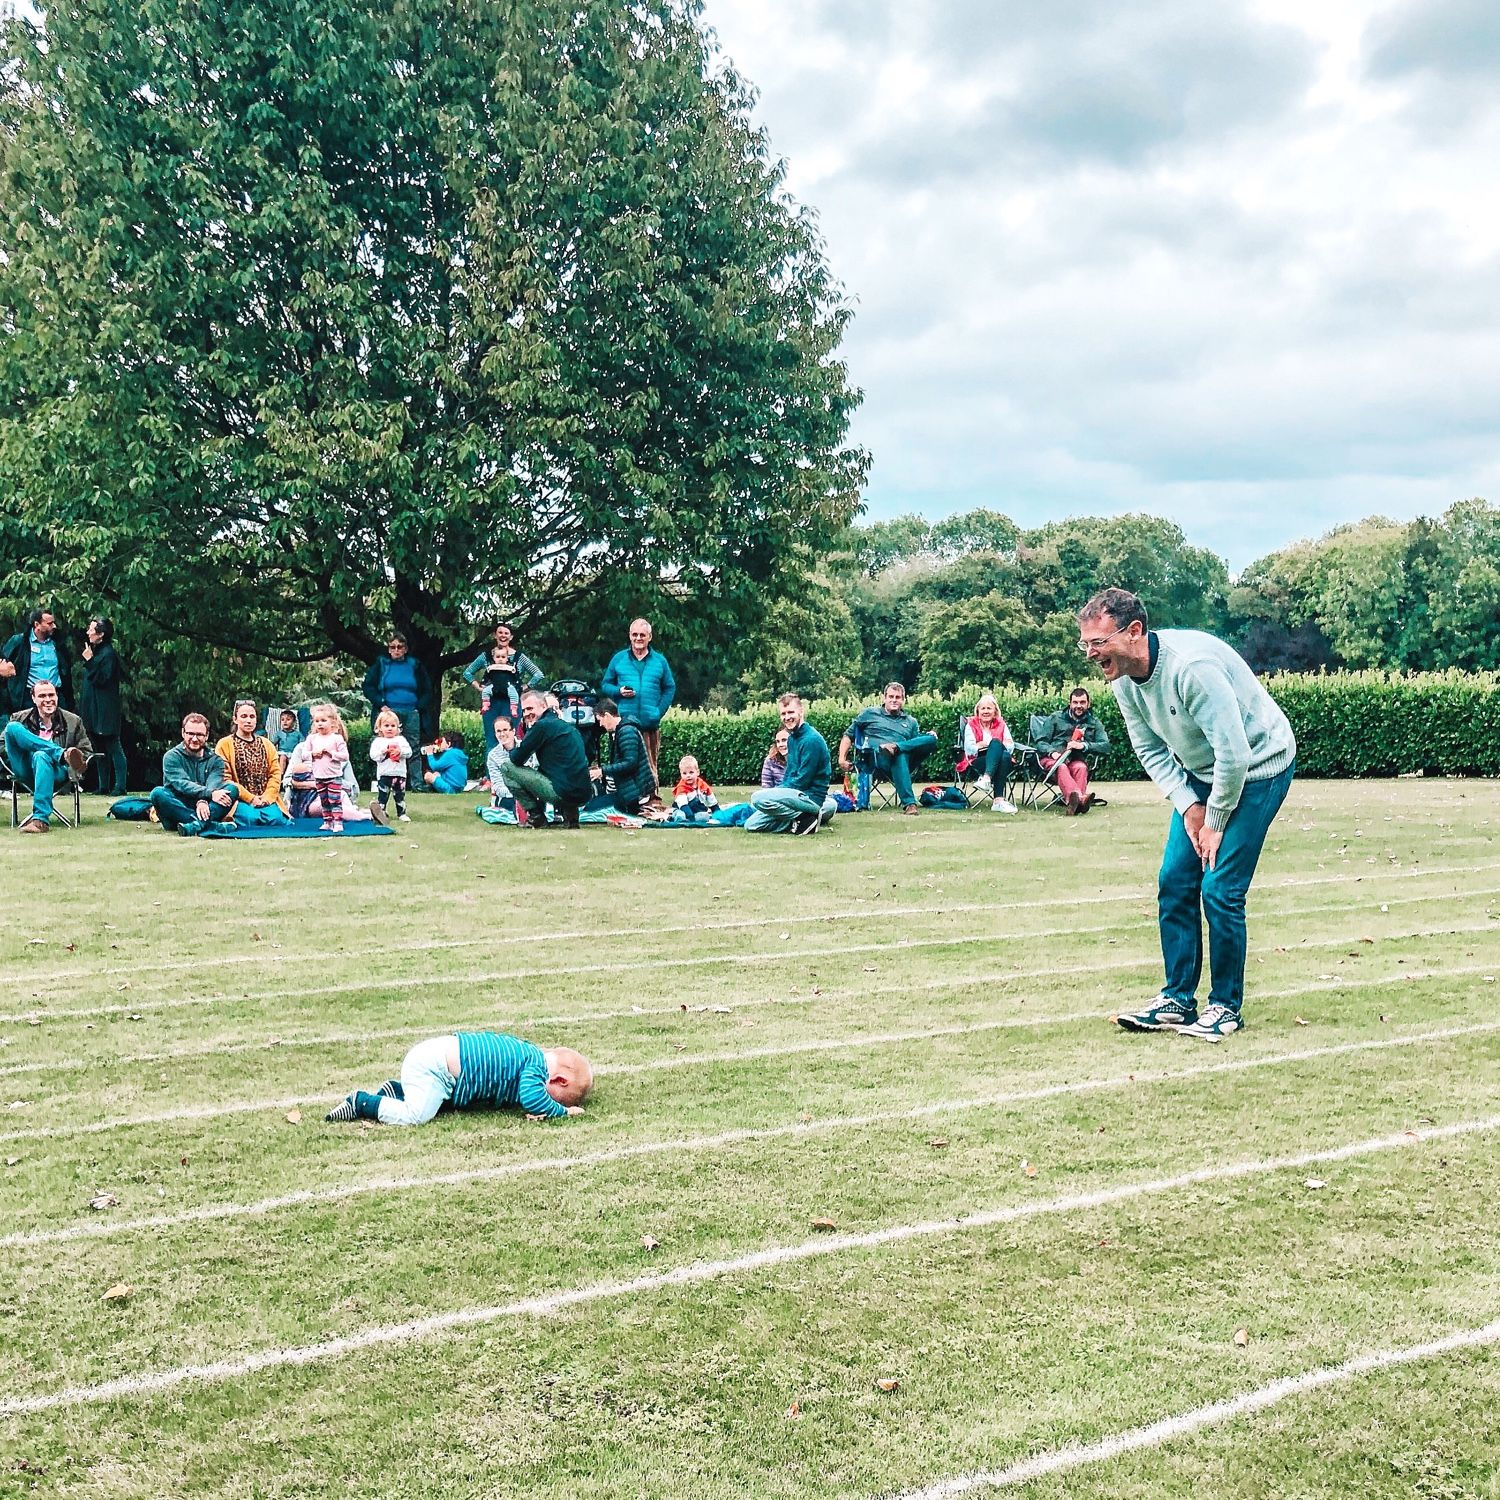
<point>1000,805</point>
<point>402,818</point>
<point>985,785</point>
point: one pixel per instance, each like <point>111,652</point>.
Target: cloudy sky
<point>1235,263</point>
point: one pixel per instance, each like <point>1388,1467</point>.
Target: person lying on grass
<point>476,1070</point>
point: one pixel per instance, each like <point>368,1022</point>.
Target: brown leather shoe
<point>910,808</point>
<point>34,825</point>
<point>1085,801</point>
<point>1072,802</point>
<point>77,761</point>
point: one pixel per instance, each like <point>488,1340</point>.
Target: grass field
<point>1047,1235</point>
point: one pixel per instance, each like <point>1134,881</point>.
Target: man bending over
<point>476,1070</point>
<point>1222,753</point>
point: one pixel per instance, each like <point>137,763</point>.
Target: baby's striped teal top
<point>495,1070</point>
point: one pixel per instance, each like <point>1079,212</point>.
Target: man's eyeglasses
<point>1089,647</point>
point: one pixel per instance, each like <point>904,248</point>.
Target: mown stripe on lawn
<point>258,960</point>
<point>768,956</point>
<point>549,1304</point>
<point>1167,1429</point>
<point>701,1059</point>
<point>104,1228</point>
<point>229,1045</point>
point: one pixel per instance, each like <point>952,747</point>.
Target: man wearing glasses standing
<point>1221,751</point>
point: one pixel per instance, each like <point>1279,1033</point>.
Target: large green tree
<point>322,317</point>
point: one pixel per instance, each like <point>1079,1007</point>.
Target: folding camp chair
<point>872,777</point>
<point>1034,786</point>
<point>66,789</point>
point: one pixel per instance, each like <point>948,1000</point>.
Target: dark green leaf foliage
<point>319,317</point>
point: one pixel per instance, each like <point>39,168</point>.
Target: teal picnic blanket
<point>298,828</point>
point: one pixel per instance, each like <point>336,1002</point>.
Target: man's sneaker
<point>77,761</point>
<point>806,822</point>
<point>402,818</point>
<point>34,825</point>
<point>1216,1022</point>
<point>1000,805</point>
<point>910,809</point>
<point>377,812</point>
<point>1165,1015</point>
<point>985,785</point>
<point>190,829</point>
<point>341,1114</point>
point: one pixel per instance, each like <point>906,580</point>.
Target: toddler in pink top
<point>329,748</point>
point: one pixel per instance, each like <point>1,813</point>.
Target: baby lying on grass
<point>476,1070</point>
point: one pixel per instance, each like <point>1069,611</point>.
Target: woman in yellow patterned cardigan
<point>254,767</point>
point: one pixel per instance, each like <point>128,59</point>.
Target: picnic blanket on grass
<point>298,828</point>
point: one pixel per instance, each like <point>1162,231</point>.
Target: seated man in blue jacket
<point>895,738</point>
<point>641,682</point>
<point>196,789</point>
<point>801,803</point>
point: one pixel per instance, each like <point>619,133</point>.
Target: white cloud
<point>1237,264</point>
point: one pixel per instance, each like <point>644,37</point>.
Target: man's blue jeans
<point>777,808</point>
<point>172,812</point>
<point>37,762</point>
<point>1187,895</point>
<point>897,763</point>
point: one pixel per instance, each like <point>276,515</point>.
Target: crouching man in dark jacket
<point>630,770</point>
<point>561,773</point>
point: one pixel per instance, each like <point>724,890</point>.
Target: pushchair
<point>575,703</point>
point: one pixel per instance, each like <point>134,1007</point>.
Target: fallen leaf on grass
<point>11,1161</point>
<point>650,1242</point>
<point>18,1104</point>
<point>1314,1183</point>
<point>868,968</point>
<point>794,1411</point>
<point>182,1161</point>
<point>805,1117</point>
<point>938,1142</point>
<point>1367,940</point>
<point>824,1225</point>
<point>35,942</point>
<point>1297,1020</point>
<point>1241,1337</point>
<point>1027,1169</point>
<point>888,1385</point>
<point>118,1292</point>
<point>101,1201</point>
<point>294,1117</point>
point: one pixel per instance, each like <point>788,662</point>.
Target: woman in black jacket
<point>100,702</point>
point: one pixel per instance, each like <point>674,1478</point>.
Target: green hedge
<point>1348,724</point>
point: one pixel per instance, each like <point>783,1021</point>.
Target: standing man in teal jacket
<point>641,682</point>
<point>1222,753</point>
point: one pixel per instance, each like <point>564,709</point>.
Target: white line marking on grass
<point>822,1044</point>
<point>890,944</point>
<point>871,911</point>
<point>550,1303</point>
<point>228,1046</point>
<point>1076,1456</point>
<point>105,1228</point>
